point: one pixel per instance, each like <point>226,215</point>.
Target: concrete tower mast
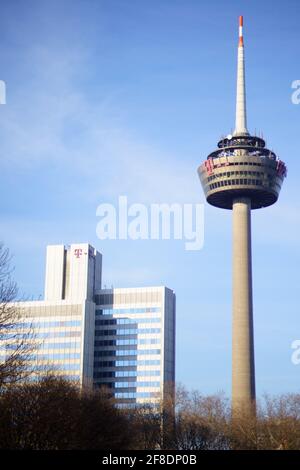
<point>242,174</point>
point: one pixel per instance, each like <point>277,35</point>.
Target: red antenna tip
<point>241,39</point>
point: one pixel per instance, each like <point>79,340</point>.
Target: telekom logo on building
<point>78,252</point>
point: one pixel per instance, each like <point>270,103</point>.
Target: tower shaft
<point>243,370</point>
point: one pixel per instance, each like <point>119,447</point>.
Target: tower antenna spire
<point>241,114</point>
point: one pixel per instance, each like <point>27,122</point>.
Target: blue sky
<point>127,97</point>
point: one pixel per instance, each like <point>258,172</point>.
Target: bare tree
<point>17,339</point>
<point>146,426</point>
<point>201,421</point>
<point>54,414</point>
<point>280,427</point>
<point>276,425</point>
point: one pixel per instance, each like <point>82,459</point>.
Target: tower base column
<point>243,370</point>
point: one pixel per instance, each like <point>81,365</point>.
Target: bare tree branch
<point>17,337</point>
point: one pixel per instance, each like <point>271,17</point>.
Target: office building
<point>122,338</point>
<point>135,342</point>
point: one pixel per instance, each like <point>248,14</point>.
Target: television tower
<point>242,174</point>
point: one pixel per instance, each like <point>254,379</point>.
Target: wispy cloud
<point>50,121</point>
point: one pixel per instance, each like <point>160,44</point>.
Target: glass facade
<point>139,326</point>
<point>60,333</point>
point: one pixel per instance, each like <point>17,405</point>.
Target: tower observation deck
<point>242,166</point>
<point>242,174</point>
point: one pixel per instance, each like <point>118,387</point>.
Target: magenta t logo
<point>78,252</point>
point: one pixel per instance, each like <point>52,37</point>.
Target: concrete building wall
<point>54,278</point>
<point>72,272</point>
<point>169,336</point>
<point>88,339</point>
